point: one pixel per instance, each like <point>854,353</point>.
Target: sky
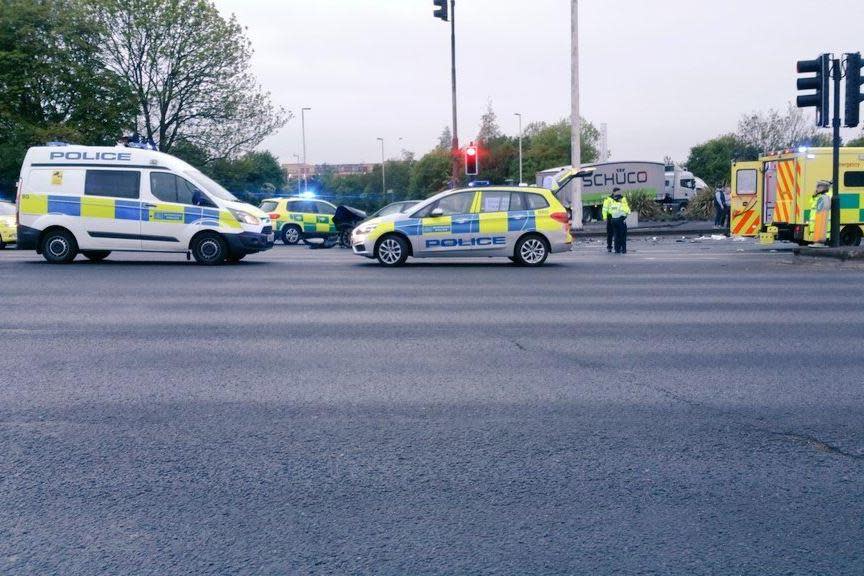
<point>663,75</point>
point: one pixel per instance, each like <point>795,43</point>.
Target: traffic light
<point>854,97</point>
<point>472,160</point>
<point>441,10</point>
<point>820,99</point>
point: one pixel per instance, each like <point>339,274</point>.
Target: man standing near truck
<point>619,209</point>
<point>607,217</point>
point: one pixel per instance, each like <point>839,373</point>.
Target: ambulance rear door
<point>746,196</point>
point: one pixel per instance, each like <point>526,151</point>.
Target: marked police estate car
<point>96,200</point>
<point>523,224</point>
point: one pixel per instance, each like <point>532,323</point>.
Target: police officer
<point>619,209</point>
<point>607,217</point>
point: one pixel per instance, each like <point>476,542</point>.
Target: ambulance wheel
<point>291,234</point>
<point>209,249</point>
<point>531,250</point>
<point>391,250</point>
<point>850,236</point>
<point>59,246</point>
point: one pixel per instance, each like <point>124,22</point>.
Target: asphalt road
<point>690,408</point>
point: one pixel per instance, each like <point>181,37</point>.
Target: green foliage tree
<point>857,142</point>
<point>52,85</point>
<point>776,130</point>
<point>189,69</point>
<point>548,145</point>
<point>712,160</point>
<point>431,174</point>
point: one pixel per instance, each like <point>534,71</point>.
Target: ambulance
<point>771,196</point>
<point>96,200</point>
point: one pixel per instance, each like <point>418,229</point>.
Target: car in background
<point>295,219</point>
<point>8,228</point>
<point>396,208</point>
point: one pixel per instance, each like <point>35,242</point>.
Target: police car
<point>97,200</point>
<point>295,219</point>
<point>523,224</point>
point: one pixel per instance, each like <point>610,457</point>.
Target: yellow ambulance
<point>772,195</point>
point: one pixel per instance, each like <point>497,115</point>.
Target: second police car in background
<point>8,230</point>
<point>523,224</point>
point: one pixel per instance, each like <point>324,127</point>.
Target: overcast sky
<point>663,74</point>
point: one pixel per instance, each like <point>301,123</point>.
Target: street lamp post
<point>299,181</point>
<point>519,115</point>
<point>383,169</point>
<point>303,127</point>
<point>455,145</point>
<point>575,120</point>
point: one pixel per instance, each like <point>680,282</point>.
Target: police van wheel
<point>531,251</point>
<point>96,255</point>
<point>59,247</point>
<point>391,251</point>
<point>291,235</point>
<point>209,249</point>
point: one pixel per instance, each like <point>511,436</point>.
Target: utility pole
<point>835,201</point>
<point>303,128</point>
<point>383,170</point>
<point>519,115</point>
<point>575,121</point>
<point>455,148</point>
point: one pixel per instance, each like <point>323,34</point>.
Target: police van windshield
<point>213,188</point>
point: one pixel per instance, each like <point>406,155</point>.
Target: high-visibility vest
<point>607,203</point>
<point>619,208</point>
<point>819,222</point>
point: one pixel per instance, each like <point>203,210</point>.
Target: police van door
<point>170,203</point>
<point>448,225</point>
<point>746,199</point>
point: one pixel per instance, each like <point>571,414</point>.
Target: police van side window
<point>171,188</point>
<point>112,183</point>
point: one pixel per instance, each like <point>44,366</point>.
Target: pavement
<point>656,228</point>
<point>689,408</point>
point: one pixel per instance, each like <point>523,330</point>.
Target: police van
<point>97,200</point>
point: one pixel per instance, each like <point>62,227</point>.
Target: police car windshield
<point>212,187</point>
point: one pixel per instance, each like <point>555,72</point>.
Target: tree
<point>431,174</point>
<point>548,146</point>
<point>489,129</point>
<point>445,141</point>
<point>773,130</point>
<point>189,69</point>
<point>857,142</point>
<point>713,159</point>
<point>52,84</point>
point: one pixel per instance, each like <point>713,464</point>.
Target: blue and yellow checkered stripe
<point>116,209</point>
<point>311,223</point>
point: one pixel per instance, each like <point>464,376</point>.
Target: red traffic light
<point>471,151</point>
<point>472,160</point>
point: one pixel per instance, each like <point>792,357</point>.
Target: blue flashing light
<point>308,194</point>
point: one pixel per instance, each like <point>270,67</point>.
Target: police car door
<point>495,206</point>
<point>173,203</point>
<point>448,225</point>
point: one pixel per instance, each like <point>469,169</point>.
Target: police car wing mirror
<point>437,212</point>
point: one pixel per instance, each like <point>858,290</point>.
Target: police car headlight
<point>244,217</point>
<point>364,230</point>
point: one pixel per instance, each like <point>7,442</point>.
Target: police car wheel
<point>95,255</point>
<point>59,247</point>
<point>531,251</point>
<point>209,249</point>
<point>291,235</point>
<point>391,251</point>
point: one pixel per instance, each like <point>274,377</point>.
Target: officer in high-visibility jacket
<point>819,222</point>
<point>607,217</point>
<point>619,209</point>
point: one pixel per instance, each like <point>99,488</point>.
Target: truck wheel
<point>291,234</point>
<point>209,249</point>
<point>850,236</point>
<point>531,250</point>
<point>59,246</point>
<point>96,255</point>
<point>391,250</point>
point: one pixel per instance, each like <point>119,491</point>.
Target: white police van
<point>97,200</point>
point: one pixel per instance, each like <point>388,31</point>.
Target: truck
<point>671,185</point>
<point>772,195</point>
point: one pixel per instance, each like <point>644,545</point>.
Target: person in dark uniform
<point>607,217</point>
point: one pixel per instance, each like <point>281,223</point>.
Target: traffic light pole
<point>835,178</point>
<point>455,146</point>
